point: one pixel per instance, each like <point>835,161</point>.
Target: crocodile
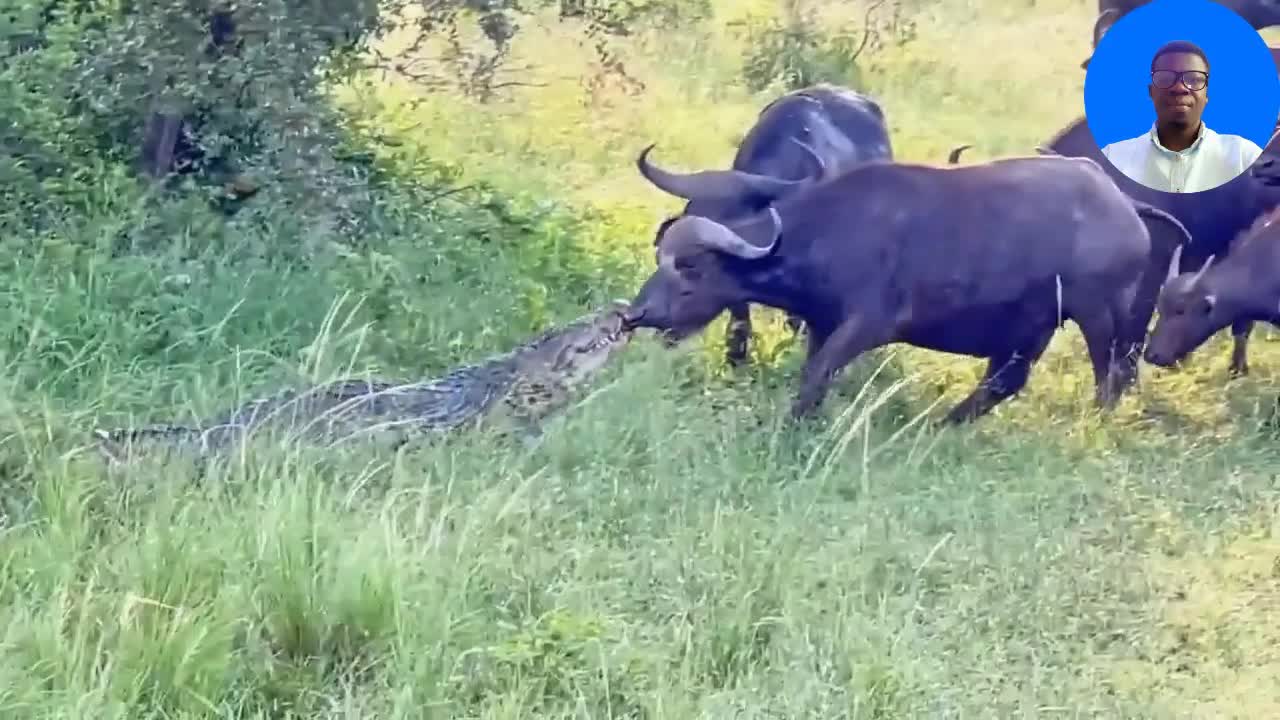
<point>514,391</point>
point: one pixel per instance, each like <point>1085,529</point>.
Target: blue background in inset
<point>1244,89</point>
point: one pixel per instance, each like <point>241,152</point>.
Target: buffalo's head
<point>698,274</point>
<point>1189,314</point>
<point>1258,13</point>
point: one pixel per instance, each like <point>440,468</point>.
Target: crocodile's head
<point>109,446</point>
<point>577,350</point>
<point>122,445</point>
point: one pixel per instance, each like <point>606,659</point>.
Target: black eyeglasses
<point>1191,79</point>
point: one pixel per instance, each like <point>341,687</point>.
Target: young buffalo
<point>1243,286</point>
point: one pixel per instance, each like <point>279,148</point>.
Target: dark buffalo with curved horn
<point>1266,171</point>
<point>1243,286</point>
<point>798,136</point>
<point>1213,217</point>
<point>985,260</point>
<point>1258,13</point>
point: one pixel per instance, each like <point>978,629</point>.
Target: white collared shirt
<point>1212,160</point>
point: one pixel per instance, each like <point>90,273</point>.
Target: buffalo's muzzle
<point>631,319</point>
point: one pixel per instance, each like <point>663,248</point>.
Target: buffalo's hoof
<point>803,410</point>
<point>807,404</point>
<point>958,416</point>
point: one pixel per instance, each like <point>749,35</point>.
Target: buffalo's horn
<point>711,183</point>
<point>716,236</point>
<point>1173,264</point>
<point>954,157</point>
<point>1203,268</point>
<point>817,159</point>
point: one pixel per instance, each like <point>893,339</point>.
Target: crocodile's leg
<point>531,429</point>
<point>526,407</point>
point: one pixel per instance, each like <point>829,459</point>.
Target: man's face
<point>1177,105</point>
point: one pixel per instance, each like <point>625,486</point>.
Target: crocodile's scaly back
<point>528,383</point>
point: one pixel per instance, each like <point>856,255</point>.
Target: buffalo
<point>985,260</point>
<point>1243,286</point>
<point>1258,13</point>
<point>797,136</point>
<point>1213,217</point>
<point>1266,171</point>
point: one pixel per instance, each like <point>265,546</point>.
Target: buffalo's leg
<point>1006,375</point>
<point>1129,349</point>
<point>1240,350</point>
<point>852,338</point>
<point>1126,350</point>
<point>1129,346</point>
<point>738,333</point>
<point>1101,329</point>
<point>794,324</point>
<point>1127,365</point>
<point>1142,304</point>
<point>815,340</point>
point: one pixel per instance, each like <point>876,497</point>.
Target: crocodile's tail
<point>112,443</point>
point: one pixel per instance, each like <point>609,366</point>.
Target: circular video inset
<point>1182,95</point>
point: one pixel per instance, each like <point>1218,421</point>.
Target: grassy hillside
<point>675,548</point>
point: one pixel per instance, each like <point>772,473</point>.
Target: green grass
<point>675,548</point>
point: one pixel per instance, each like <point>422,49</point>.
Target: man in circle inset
<point>1180,154</point>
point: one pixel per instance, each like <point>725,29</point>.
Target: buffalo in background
<point>1214,218</point>
<point>823,128</point>
<point>1258,13</point>
<point>1244,286</point>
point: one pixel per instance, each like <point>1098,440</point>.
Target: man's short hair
<point>1179,46</point>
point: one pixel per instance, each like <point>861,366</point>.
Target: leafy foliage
<point>231,101</point>
<point>796,49</point>
<point>49,160</point>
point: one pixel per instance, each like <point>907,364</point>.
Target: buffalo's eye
<point>691,273</point>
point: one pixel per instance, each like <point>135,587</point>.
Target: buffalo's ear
<point>1103,23</point>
